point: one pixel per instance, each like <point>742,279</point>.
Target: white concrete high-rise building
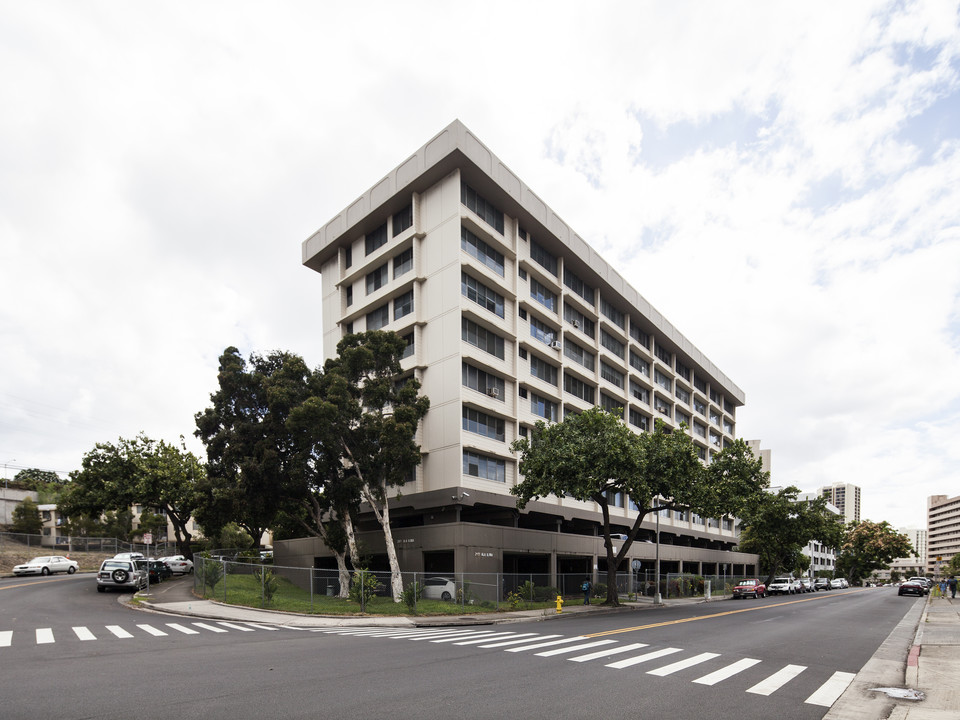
<point>943,530</point>
<point>846,497</point>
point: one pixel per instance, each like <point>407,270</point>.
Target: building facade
<point>943,530</point>
<point>510,318</point>
<point>915,564</point>
<point>846,498</point>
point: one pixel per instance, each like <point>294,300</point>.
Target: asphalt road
<point>788,652</point>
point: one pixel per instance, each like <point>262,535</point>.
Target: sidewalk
<point>922,653</point>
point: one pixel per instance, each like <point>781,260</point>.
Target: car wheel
<point>119,576</point>
<point>71,570</point>
<point>45,571</point>
<point>445,595</point>
<point>101,588</point>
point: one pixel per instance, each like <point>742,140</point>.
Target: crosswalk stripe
<point>620,664</point>
<point>433,636</point>
<point>833,688</point>
<point>575,648</point>
<point>44,636</point>
<point>608,652</point>
<point>119,631</point>
<point>485,635</point>
<point>726,672</point>
<point>537,646</point>
<point>516,642</point>
<point>502,636</point>
<point>211,628</point>
<point>241,628</point>
<point>152,630</point>
<point>6,637</point>
<point>777,680</point>
<point>682,664</point>
<point>84,634</point>
<point>181,628</point>
<point>260,627</point>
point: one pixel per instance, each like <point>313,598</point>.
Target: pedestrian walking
<point>952,584</point>
<point>943,588</point>
<point>586,587</point>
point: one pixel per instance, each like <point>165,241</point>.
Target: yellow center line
<point>35,582</point>
<point>716,615</point>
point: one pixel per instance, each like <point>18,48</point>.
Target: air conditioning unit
<point>576,324</point>
<point>556,345</point>
<point>493,392</point>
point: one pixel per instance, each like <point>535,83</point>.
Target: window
<point>379,317</point>
<point>727,523</point>
<point>611,375</point>
<point>484,466</point>
<point>715,417</point>
<point>578,354</point>
<point>715,397</point>
<point>544,408</point>
<point>579,320</point>
<point>640,393</point>
<point>727,427</point>
<point>543,295</point>
<point>348,256</point>
<point>700,384</point>
<point>639,420</point>
<point>543,370</point>
<point>614,315</point>
<point>481,337</point>
<point>578,388</point>
<point>662,407</point>
<point>714,438</point>
<point>349,295</point>
<point>662,380</point>
<point>482,424</point>
<point>481,294</point>
<point>639,335</point>
<point>403,305</point>
<point>681,417</point>
<point>348,329</point>
<point>683,371</point>
<point>682,394</point>
<point>612,344</point>
<point>474,246</point>
<point>540,256</point>
<point>377,279</point>
<point>542,332</point>
<point>482,381</point>
<point>662,353</point>
<point>701,452</point>
<point>403,220</point>
<point>403,263</point>
<point>579,287</point>
<point>699,406</point>
<point>680,515</point>
<point>408,350</point>
<point>375,239</point>
<point>700,430</point>
<point>611,405</point>
<point>728,405</point>
<point>638,363</point>
<point>485,210</point>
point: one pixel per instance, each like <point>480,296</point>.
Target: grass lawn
<point>245,590</point>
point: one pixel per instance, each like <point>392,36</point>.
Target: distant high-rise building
<point>915,564</point>
<point>943,529</point>
<point>846,497</point>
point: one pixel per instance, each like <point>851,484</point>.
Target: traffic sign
<point>148,538</point>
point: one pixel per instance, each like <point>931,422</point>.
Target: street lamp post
<point>656,595</point>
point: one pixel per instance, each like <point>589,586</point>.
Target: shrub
<point>600,590</point>
<point>364,586</point>
<point>412,595</point>
<point>268,582</point>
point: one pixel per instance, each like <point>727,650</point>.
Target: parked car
<point>47,565</point>
<point>839,584</point>
<point>927,583</point>
<point>822,584</point>
<point>129,556</point>
<point>121,575</point>
<point>159,571</point>
<point>913,587</point>
<point>439,588</point>
<point>783,586</point>
<point>178,564</point>
<point>806,585</point>
<point>751,587</point>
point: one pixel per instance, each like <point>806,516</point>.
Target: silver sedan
<point>47,565</point>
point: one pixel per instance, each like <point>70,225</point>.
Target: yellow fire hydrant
<point>559,604</point>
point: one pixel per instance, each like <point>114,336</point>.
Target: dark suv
<point>122,575</point>
<point>821,584</point>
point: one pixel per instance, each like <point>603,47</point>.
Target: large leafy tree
<point>776,526</point>
<point>114,476</point>
<point>357,431</point>
<point>868,547</point>
<point>593,456</point>
<point>249,448</point>
<point>26,518</point>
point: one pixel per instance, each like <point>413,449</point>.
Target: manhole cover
<point>902,693</point>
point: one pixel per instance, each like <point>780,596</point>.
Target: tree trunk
<point>383,517</point>
<point>351,540</point>
<point>612,596</point>
<point>344,574</point>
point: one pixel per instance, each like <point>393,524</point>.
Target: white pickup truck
<point>784,586</point>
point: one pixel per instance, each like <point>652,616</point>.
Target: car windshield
<point>40,560</point>
<point>115,564</point>
<point>749,582</point>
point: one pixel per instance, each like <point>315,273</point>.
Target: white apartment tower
<point>510,318</point>
<point>846,497</point>
<point>943,530</point>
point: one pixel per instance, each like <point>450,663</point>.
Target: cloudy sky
<point>781,180</point>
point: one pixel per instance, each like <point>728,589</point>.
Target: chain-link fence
<point>73,543</point>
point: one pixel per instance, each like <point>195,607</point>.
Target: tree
<point>357,435</point>
<point>593,456</point>
<point>249,448</point>
<point>36,479</point>
<point>952,567</point>
<point>777,527</point>
<point>151,522</point>
<point>114,476</point>
<point>26,518</point>
<point>869,546</point>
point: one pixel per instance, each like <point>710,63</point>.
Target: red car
<point>751,587</point>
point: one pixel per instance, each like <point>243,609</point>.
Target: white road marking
<point>827,694</point>
<point>620,664</point>
<point>260,627</point>
<point>211,628</point>
<point>181,628</point>
<point>119,631</point>
<point>152,630</point>
<point>503,636</point>
<point>575,648</point>
<point>777,680</point>
<point>683,664</point>
<point>6,637</point>
<point>726,672</point>
<point>537,646</point>
<point>516,642</point>
<point>84,634</point>
<point>44,636</point>
<point>241,628</point>
<point>608,652</point>
<point>485,635</point>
